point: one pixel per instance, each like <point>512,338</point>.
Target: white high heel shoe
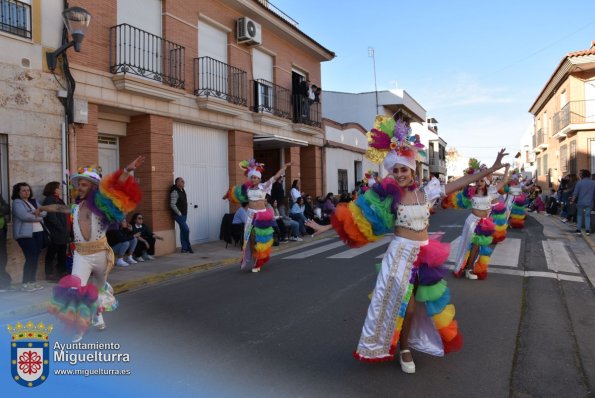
<point>407,367</point>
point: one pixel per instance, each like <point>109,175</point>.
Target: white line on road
<point>557,257</point>
<point>315,251</point>
<point>506,253</point>
<point>301,247</point>
<point>361,250</point>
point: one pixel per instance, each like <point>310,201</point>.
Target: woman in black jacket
<point>57,225</point>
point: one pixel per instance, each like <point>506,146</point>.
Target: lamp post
<point>371,54</point>
<point>76,20</point>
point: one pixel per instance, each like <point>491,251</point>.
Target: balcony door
<point>213,73</point>
<point>590,101</point>
<point>139,46</point>
<point>262,66</point>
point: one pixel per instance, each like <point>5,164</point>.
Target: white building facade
<point>343,158</point>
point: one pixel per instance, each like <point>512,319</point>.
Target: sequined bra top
<point>97,227</point>
<point>256,194</point>
<point>482,202</point>
<point>415,217</point>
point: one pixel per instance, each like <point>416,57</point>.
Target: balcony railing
<point>574,112</point>
<point>437,162</point>
<point>278,12</point>
<point>144,54</point>
<point>15,18</point>
<point>306,111</point>
<point>270,98</point>
<point>213,78</point>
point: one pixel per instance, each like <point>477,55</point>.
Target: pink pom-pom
<point>434,254</point>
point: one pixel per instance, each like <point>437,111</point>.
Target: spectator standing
<point>28,232</point>
<point>295,192</point>
<point>583,197</point>
<point>278,191</point>
<point>178,202</point>
<point>145,249</point>
<point>5,279</point>
<point>57,225</point>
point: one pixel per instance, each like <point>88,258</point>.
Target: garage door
<point>200,157</point>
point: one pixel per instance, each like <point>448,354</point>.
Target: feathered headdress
<point>390,142</point>
<point>91,173</point>
<point>252,168</point>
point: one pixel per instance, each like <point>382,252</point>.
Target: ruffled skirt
<point>406,264</point>
<point>258,238</point>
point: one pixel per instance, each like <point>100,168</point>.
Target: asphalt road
<point>290,330</point>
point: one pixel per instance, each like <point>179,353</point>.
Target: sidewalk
<point>582,247</point>
<point>206,256</point>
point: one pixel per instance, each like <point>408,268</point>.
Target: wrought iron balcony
<point>278,12</point>
<point>270,98</point>
<point>15,18</point>
<point>136,52</point>
<point>306,111</point>
<point>213,78</point>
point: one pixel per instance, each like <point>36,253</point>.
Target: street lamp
<point>371,54</point>
<point>76,20</point>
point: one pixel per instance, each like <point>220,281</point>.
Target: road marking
<point>301,247</point>
<point>361,250</point>
<point>537,274</point>
<point>315,251</point>
<point>557,257</point>
<point>507,253</point>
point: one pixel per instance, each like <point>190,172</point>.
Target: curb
<point>39,308</point>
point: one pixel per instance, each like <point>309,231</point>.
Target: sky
<point>475,66</point>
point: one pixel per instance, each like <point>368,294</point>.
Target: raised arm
<point>506,177</point>
<point>128,170</point>
<point>280,173</point>
<point>462,182</point>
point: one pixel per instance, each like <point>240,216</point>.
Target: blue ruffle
<point>437,306</point>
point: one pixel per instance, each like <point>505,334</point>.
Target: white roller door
<point>200,157</point>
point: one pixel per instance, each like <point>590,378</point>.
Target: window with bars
<point>564,158</point>
<point>544,165</point>
<point>15,17</point>
<point>342,183</point>
<point>572,158</point>
<point>538,168</point>
<point>4,188</point>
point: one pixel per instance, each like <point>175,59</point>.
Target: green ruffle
<point>430,293</point>
<point>481,240</point>
<point>263,231</point>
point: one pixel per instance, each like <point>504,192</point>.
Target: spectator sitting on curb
<point>123,243</point>
<point>145,249</point>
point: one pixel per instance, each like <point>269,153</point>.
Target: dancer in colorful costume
<point>100,203</point>
<point>258,230</point>
<point>410,302</point>
<point>516,202</point>
<point>473,254</point>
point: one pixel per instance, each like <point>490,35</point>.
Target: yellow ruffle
<point>363,225</point>
<point>263,246</point>
<point>444,318</point>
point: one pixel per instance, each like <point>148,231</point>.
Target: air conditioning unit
<point>248,31</point>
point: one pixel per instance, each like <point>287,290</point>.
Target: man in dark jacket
<point>57,225</point>
<point>278,192</point>
<point>178,202</point>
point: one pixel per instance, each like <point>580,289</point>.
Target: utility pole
<point>371,54</point>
